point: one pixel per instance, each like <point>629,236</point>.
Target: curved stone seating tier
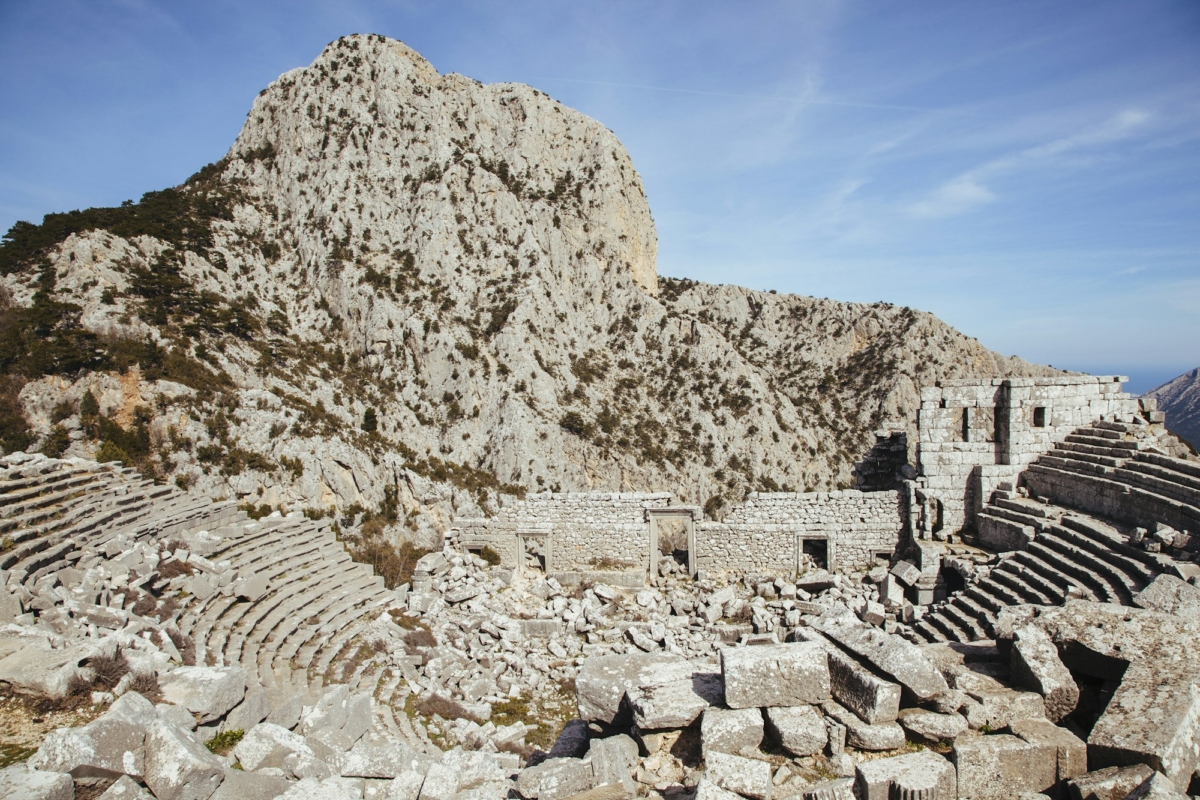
<point>1071,537</point>
<point>286,601</point>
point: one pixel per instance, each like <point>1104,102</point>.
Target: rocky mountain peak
<point>376,152</point>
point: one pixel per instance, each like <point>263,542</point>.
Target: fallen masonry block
<point>472,768</point>
<point>208,692</point>
<point>126,788</point>
<point>1035,665</point>
<point>923,774</point>
<point>107,747</point>
<point>890,654</point>
<point>1001,766</point>
<point>836,789</point>
<point>863,736</point>
<point>613,759</point>
<point>932,726</point>
<point>1110,783</point>
<point>602,682</point>
<point>1157,787</point>
<point>728,731</point>
<point>20,781</point>
<point>677,704</point>
<point>332,788</point>
<point>177,766</point>
<point>1154,713</point>
<point>707,790</point>
<point>1170,595</point>
<point>267,745</point>
<point>239,785</point>
<point>906,572</point>
<point>791,674</point>
<point>441,783</point>
<point>1071,752</point>
<point>856,687</point>
<point>799,729</point>
<point>555,778</point>
<point>745,776</point>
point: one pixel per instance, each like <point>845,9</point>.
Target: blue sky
<point>1028,171</point>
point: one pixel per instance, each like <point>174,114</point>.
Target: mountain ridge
<point>407,296</point>
<point>1180,399</point>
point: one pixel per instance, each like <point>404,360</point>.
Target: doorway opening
<point>814,554</point>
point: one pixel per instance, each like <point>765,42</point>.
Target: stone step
<point>293,606</point>
<point>322,607</point>
<point>963,612</point>
<point>1132,575</point>
<point>945,627</point>
<point>1053,563</point>
<point>1101,577</point>
<point>1071,453</point>
<point>14,514</point>
<point>1047,576</point>
<point>1165,473</point>
<point>335,628</point>
<point>1097,432</point>
<point>991,595</point>
<point>1179,465</point>
<point>1161,486</point>
<point>1020,518</point>
<point>19,492</point>
<point>1017,583</point>
<point>1055,460</point>
<point>287,599</point>
<point>1109,538</point>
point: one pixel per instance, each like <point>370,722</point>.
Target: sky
<point>1028,171</point>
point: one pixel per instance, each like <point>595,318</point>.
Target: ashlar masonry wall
<point>975,434</point>
<point>580,529</point>
<point>767,533</point>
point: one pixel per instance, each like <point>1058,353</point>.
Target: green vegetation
<point>225,741</point>
<point>181,216</point>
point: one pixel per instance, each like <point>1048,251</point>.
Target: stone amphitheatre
<point>1004,604</point>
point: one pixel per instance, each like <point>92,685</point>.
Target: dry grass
<point>108,670</point>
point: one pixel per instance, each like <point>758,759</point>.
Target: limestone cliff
<point>416,294</point>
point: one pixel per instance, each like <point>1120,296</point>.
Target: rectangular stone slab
<point>856,687</point>
<point>888,653</point>
<point>762,676</point>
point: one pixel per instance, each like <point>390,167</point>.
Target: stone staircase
<point>1071,536</point>
<point>301,627</point>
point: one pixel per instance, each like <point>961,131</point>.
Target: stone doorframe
<point>690,514</point>
<point>522,538</point>
<point>818,534</point>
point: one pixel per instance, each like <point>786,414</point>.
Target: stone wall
<point>975,434</point>
<point>582,529</point>
<point>765,534</point>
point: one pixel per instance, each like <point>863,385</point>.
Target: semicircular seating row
<point>1086,496</point>
<point>301,630</point>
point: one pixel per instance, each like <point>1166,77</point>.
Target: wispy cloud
<point>968,190</point>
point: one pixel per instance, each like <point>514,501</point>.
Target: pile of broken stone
<point>844,710</point>
<point>327,750</point>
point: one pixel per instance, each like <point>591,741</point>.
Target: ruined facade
<point>975,435</point>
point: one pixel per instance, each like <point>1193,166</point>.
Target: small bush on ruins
<point>225,741</point>
<point>394,564</point>
<point>145,684</point>
<point>108,670</point>
<point>447,708</point>
<point>490,556</point>
<point>417,639</point>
